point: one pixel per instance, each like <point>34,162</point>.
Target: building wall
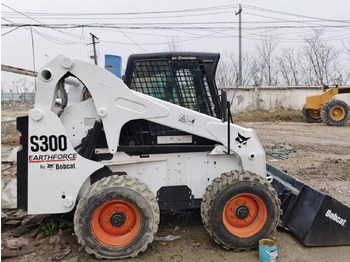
<point>272,98</point>
<point>242,98</point>
<point>17,97</point>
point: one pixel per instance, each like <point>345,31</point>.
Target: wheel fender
<point>94,177</point>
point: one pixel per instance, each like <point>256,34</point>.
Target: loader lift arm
<point>122,105</point>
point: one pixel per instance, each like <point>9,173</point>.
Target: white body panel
<point>195,170</point>
<point>46,184</point>
<point>115,104</point>
<point>78,119</point>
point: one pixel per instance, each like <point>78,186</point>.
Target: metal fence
<point>17,97</point>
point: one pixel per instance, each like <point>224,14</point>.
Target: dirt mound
<point>9,111</point>
<point>269,116</point>
<point>9,134</point>
<point>331,169</point>
<point>17,105</point>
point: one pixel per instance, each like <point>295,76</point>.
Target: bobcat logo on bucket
<point>335,217</point>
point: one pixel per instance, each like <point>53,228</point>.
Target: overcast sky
<point>259,18</point>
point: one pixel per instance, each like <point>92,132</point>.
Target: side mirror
<point>223,105</point>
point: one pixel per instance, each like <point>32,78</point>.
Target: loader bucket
<point>315,218</point>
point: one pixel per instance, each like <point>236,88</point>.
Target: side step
<point>314,218</point>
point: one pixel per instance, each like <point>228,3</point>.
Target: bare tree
<point>32,87</point>
<point>23,87</point>
<point>16,86</point>
<point>346,77</point>
<point>285,71</point>
<point>3,87</point>
<point>227,73</point>
<point>346,46</point>
<point>323,59</point>
<point>290,66</point>
<point>267,56</point>
<point>250,67</point>
<point>315,63</point>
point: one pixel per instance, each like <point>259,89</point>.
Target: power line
<point>132,40</point>
<point>46,15</point>
<point>48,37</point>
<point>165,43</point>
<point>195,30</point>
<point>291,14</point>
<point>136,13</point>
<point>168,26</point>
<point>31,19</point>
<point>281,20</point>
<point>10,31</point>
<point>62,25</point>
<point>147,26</point>
<point>212,29</point>
<point>6,20</point>
<point>11,15</point>
<point>183,29</point>
<point>55,39</point>
<point>307,22</point>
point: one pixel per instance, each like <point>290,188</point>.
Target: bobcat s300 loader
<point>120,152</point>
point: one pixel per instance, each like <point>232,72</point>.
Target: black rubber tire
<point>328,108</point>
<point>308,115</point>
<point>221,191</point>
<point>110,188</point>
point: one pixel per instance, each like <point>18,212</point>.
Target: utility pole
<point>239,13</point>
<point>93,37</point>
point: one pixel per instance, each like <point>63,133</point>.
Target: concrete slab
<point>9,193</point>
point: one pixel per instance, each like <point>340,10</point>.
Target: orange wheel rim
<point>244,215</point>
<point>315,113</point>
<point>116,223</point>
<point>337,113</point>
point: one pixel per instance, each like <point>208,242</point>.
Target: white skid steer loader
<point>120,152</point>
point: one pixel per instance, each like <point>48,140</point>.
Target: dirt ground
<point>316,154</point>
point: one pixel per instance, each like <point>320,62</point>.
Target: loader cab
<point>182,78</point>
<point>185,79</point>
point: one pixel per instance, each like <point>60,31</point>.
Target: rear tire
<point>335,113</point>
<point>117,217</point>
<point>312,115</point>
<point>240,208</point>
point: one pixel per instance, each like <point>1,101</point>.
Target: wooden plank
<point>18,70</point>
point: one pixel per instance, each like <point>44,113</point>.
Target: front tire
<point>312,115</point>
<point>335,113</point>
<point>240,208</point>
<point>117,217</point>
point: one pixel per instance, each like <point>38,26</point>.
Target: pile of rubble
<point>17,105</point>
<point>29,238</point>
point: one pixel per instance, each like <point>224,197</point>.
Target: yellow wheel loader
<point>322,108</point>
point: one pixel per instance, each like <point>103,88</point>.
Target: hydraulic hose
<point>64,98</point>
